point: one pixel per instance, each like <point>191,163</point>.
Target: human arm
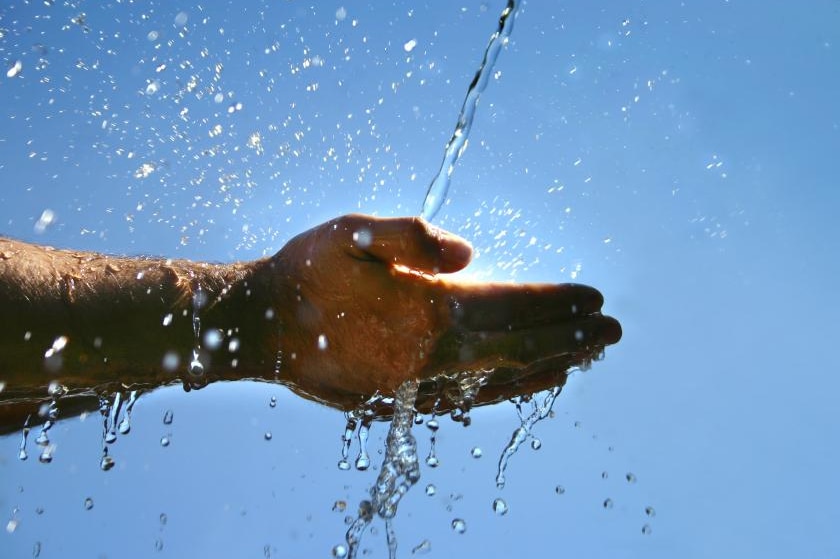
<point>349,308</point>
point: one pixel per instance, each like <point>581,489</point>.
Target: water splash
<point>539,411</point>
<point>436,194</point>
<point>400,471</point>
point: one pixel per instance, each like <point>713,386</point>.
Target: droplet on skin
<point>322,342</point>
<point>167,320</point>
<point>363,238</point>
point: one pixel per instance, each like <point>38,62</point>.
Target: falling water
<point>400,471</point>
<point>520,435</point>
<point>436,194</point>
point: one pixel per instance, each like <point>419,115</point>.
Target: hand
<point>364,307</point>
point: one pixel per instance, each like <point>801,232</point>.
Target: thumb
<point>406,241</point>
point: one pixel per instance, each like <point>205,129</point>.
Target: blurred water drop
<point>630,477</point>
<point>322,342</point>
<point>339,551</point>
<point>431,489</point>
<point>88,503</point>
<point>409,45</point>
<point>339,506</point>
<point>432,424</point>
<point>153,36</point>
<point>163,519</point>
<point>343,465</point>
<point>273,402</point>
<point>422,548</point>
<point>560,490</point>
<point>164,441</point>
<point>476,452</point>
<point>341,14</point>
<point>14,69</point>
<point>158,544</point>
<point>267,435</point>
<point>36,549</point>
<point>646,529</point>
<point>649,511</point>
<point>11,525</point>
<point>167,320</point>
<point>500,507</point>
<point>605,474</point>
<point>152,87</point>
<point>181,19</point>
<point>608,503</point>
<point>106,463</point>
<point>167,417</point>
<point>536,444</point>
<point>459,526</point>
<point>47,218</point>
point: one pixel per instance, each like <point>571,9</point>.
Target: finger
<point>406,241</point>
<point>459,350</point>
<point>492,307</point>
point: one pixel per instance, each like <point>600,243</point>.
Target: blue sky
<point>680,157</point>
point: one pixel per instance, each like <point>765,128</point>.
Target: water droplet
<point>158,544</point>
<point>322,342</point>
<point>422,548</point>
<point>631,478</point>
<point>88,503</point>
<point>459,526</point>
<point>267,435</point>
<point>500,507</point>
<point>171,361</point>
<point>560,490</point>
<point>409,45</point>
<point>125,426</point>
<point>339,506</point>
<point>106,463</point>
<point>46,455</point>
<point>36,549</point>
<point>163,519</point>
<point>343,465</point>
<point>213,339</point>
<point>273,402</point>
<point>341,13</point>
<point>536,444</point>
<point>181,19</point>
<point>167,320</point>
<point>431,489</point>
<point>167,417</point>
<point>14,69</point>
<point>608,503</point>
<point>432,461</point>
<point>650,511</point>
<point>339,551</point>
<point>11,525</point>
<point>164,441</point>
<point>646,529</point>
<point>476,452</point>
<point>432,424</point>
<point>605,474</point>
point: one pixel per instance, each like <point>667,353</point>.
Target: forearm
<point>86,320</point>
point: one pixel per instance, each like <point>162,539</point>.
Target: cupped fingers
<point>464,350</point>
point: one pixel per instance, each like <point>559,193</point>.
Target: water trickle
<point>24,434</point>
<point>436,194</point>
<point>346,439</point>
<point>196,368</point>
<point>538,413</point>
<point>125,423</point>
<point>111,419</point>
<point>363,459</point>
<point>399,472</point>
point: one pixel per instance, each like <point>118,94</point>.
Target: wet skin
<point>347,309</point>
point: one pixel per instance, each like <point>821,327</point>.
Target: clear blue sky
<point>681,157</point>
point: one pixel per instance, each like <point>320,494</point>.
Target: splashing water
<point>436,194</point>
<point>520,435</point>
<point>400,471</point>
